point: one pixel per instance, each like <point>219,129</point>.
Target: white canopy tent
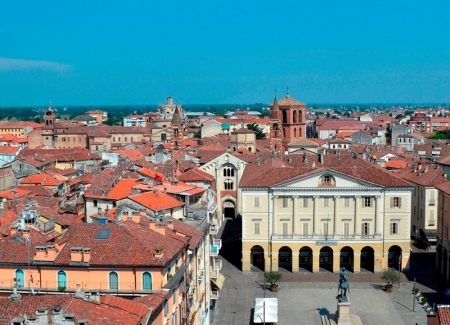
<point>266,310</point>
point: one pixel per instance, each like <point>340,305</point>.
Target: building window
<point>367,202</point>
<point>325,228</point>
<point>347,202</point>
<point>146,281</point>
<point>94,202</point>
<point>346,229</point>
<point>396,202</point>
<point>327,180</point>
<point>96,148</point>
<point>326,202</point>
<point>20,278</point>
<point>228,184</point>
<point>305,202</point>
<point>165,307</point>
<point>256,202</point>
<point>305,229</point>
<point>119,139</point>
<point>285,228</point>
<point>62,280</point>
<point>114,139</point>
<point>63,139</point>
<point>256,227</point>
<point>285,202</point>
<point>131,139</point>
<point>228,172</point>
<point>365,229</point>
<point>113,281</point>
<point>126,139</point>
<point>163,137</point>
<point>174,296</point>
<point>394,228</point>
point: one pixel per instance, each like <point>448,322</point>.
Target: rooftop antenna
<point>287,91</point>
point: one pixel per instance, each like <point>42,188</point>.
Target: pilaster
<point>356,262</point>
<point>316,262</point>
<point>336,262</point>
<point>295,261</point>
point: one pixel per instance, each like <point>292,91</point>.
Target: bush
<point>273,276</point>
<point>389,275</point>
<point>416,290</point>
<point>61,288</point>
<point>424,300</point>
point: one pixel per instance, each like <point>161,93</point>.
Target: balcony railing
<point>432,202</point>
<point>217,263</point>
<point>218,243</point>
<point>295,237</point>
<point>213,229</point>
<point>214,294</point>
<point>73,286</point>
<point>214,274</point>
<point>215,247</point>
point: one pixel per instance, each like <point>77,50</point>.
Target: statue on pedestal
<point>343,285</point>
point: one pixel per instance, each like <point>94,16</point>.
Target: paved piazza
<point>302,302</point>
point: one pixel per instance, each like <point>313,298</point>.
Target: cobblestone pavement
<point>304,297</point>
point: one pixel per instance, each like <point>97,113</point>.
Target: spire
<point>287,91</point>
<point>176,119</point>
<point>274,110</point>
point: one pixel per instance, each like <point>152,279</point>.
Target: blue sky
<point>138,52</point>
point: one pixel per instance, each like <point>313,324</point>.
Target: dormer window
<point>327,180</point>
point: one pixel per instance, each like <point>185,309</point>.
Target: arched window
<point>250,149</point>
<point>62,280</point>
<point>300,116</point>
<point>165,307</point>
<point>20,278</point>
<point>294,117</point>
<point>284,133</point>
<point>295,132</point>
<point>327,180</point>
<point>284,117</point>
<point>113,280</point>
<point>228,172</point>
<point>146,281</point>
<point>228,184</point>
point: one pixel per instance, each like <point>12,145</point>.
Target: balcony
<point>215,294</point>
<point>213,229</point>
<point>201,275</point>
<point>217,264</point>
<point>217,245</point>
<point>318,237</point>
<point>214,274</point>
<point>432,202</point>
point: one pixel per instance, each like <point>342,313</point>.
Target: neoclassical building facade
<point>325,217</point>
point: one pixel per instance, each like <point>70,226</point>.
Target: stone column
<point>357,206</point>
<point>356,262</point>
<point>315,262</point>
<point>315,215</point>
<point>274,219</point>
<point>294,211</point>
<point>377,219</point>
<point>336,261</point>
<point>336,212</point>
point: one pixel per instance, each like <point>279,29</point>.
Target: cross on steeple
<point>287,91</point>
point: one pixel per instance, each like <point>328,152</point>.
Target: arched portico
<point>326,259</point>
<point>229,206</point>
<point>285,258</point>
<point>306,259</point>
<point>367,259</point>
<point>394,257</point>
<point>257,257</point>
<point>346,258</point>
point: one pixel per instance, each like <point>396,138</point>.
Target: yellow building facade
<point>326,220</point>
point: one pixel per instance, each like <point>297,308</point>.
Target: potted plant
<point>389,276</point>
<point>424,301</point>
<point>158,249</point>
<point>273,277</point>
<point>416,291</point>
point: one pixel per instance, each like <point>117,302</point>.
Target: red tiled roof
<point>122,189</point>
<point>156,201</point>
<point>8,150</point>
<point>196,175</point>
<point>43,179</point>
<point>152,174</point>
<point>14,193</point>
<point>129,244</point>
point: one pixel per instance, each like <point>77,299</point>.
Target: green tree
<point>197,135</point>
<point>259,133</point>
<point>328,115</point>
<point>399,116</point>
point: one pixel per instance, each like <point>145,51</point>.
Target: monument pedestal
<point>343,312</point>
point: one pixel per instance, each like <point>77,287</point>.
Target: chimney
<point>17,321</point>
<point>42,315</point>
<point>86,251</point>
<point>82,322</point>
<point>57,315</point>
<point>41,253</point>
<point>321,158</point>
<point>158,227</point>
<point>420,166</point>
<point>129,215</point>
<point>426,169</point>
<point>51,252</point>
<point>165,190</point>
<point>76,255</point>
<point>170,224</point>
<point>13,230</point>
<point>26,233</point>
<point>68,319</point>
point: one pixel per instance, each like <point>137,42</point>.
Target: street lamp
<point>414,295</point>
<point>399,267</point>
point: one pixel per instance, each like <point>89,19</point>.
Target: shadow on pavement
<point>232,242</point>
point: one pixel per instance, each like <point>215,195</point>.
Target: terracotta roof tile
<point>156,201</point>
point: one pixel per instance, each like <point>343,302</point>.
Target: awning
<point>430,235</point>
<point>219,281</point>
